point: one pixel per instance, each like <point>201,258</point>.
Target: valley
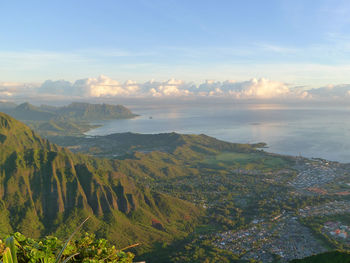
<point>239,186</point>
<point>234,199</point>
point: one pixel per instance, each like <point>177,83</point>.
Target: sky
<point>296,42</point>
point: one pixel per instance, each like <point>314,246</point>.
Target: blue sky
<point>298,42</point>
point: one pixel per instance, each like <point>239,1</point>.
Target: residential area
<point>284,238</point>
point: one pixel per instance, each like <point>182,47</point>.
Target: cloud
<point>262,89</point>
<point>56,87</point>
<point>172,87</point>
<point>252,89</point>
<point>11,89</point>
<point>103,86</point>
<point>106,87</point>
<point>330,92</point>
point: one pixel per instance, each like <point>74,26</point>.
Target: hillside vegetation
<point>327,257</point>
<point>22,249</point>
<point>235,182</point>
<point>148,191</point>
<point>46,189</point>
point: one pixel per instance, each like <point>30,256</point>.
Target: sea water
<point>319,132</point>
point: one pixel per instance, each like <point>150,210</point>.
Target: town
<point>286,236</point>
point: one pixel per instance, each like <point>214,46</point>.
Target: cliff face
<point>47,189</point>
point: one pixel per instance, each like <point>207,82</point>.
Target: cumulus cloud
<point>61,87</point>
<point>252,89</point>
<point>11,89</point>
<point>172,87</point>
<point>103,86</point>
<point>263,89</point>
<point>330,91</point>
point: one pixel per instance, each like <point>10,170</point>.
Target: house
<point>343,235</point>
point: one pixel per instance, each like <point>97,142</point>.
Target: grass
<point>246,160</point>
<point>207,229</point>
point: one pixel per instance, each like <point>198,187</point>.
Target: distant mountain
<point>75,111</point>
<point>27,111</point>
<point>48,107</point>
<point>92,112</point>
<point>46,189</point>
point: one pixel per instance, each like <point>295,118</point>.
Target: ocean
<point>310,131</point>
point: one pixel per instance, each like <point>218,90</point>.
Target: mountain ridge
<point>46,189</point>
<point>76,111</point>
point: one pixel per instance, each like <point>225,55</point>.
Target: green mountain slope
<point>60,127</point>
<point>47,189</point>
<point>228,179</point>
<point>327,257</point>
<point>127,143</point>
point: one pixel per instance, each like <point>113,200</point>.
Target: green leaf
<point>10,243</point>
<point>68,240</point>
<point>7,256</point>
<point>67,259</point>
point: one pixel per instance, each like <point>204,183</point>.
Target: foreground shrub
<point>52,250</point>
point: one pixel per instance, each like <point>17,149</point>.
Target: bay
<point>310,131</point>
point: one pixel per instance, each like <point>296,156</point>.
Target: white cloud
<point>5,94</point>
<point>261,89</point>
<point>330,92</point>
<point>252,89</point>
<point>103,86</point>
<point>10,89</point>
<point>61,87</point>
<point>172,87</point>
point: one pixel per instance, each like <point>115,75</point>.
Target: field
<point>248,161</point>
